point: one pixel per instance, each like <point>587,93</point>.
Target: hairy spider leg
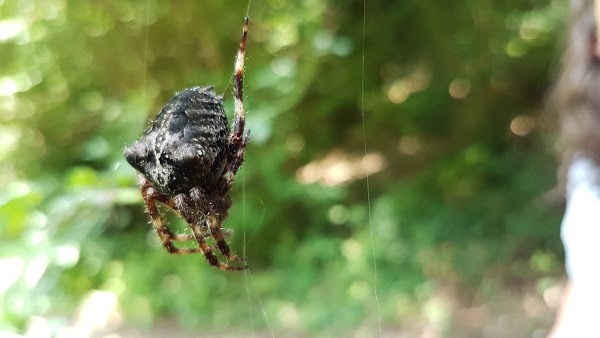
<point>213,223</point>
<point>168,201</point>
<point>238,84</point>
<point>195,194</point>
<point>182,204</point>
<point>219,236</point>
<point>165,234</point>
<point>238,140</point>
<point>209,255</point>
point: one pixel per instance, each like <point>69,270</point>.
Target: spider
<point>188,160</point>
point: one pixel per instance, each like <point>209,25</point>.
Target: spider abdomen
<point>186,145</point>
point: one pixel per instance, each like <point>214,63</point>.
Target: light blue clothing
<point>580,230</point>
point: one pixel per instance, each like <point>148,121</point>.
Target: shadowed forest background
<point>459,155</point>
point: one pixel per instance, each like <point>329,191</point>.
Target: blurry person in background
<point>576,98</point>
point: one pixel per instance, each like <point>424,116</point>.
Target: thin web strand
<point>261,304</point>
<point>248,8</point>
<point>145,72</point>
<point>364,134</point>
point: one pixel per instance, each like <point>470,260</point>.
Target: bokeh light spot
<point>459,88</point>
<point>522,125</point>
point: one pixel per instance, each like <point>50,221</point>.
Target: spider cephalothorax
<point>188,160</point>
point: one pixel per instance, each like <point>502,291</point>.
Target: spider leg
<point>218,235</point>
<point>238,81</point>
<point>183,204</point>
<point>213,223</point>
<point>238,139</point>
<point>165,234</point>
<point>206,231</point>
<point>190,237</point>
<point>169,202</point>
<point>209,255</point>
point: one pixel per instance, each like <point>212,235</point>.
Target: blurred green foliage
<point>454,139</point>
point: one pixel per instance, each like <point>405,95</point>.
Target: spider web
<point>248,278</point>
<point>368,187</point>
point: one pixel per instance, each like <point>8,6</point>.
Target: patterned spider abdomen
<point>186,144</point>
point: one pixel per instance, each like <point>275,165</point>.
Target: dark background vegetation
<point>458,151</point>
